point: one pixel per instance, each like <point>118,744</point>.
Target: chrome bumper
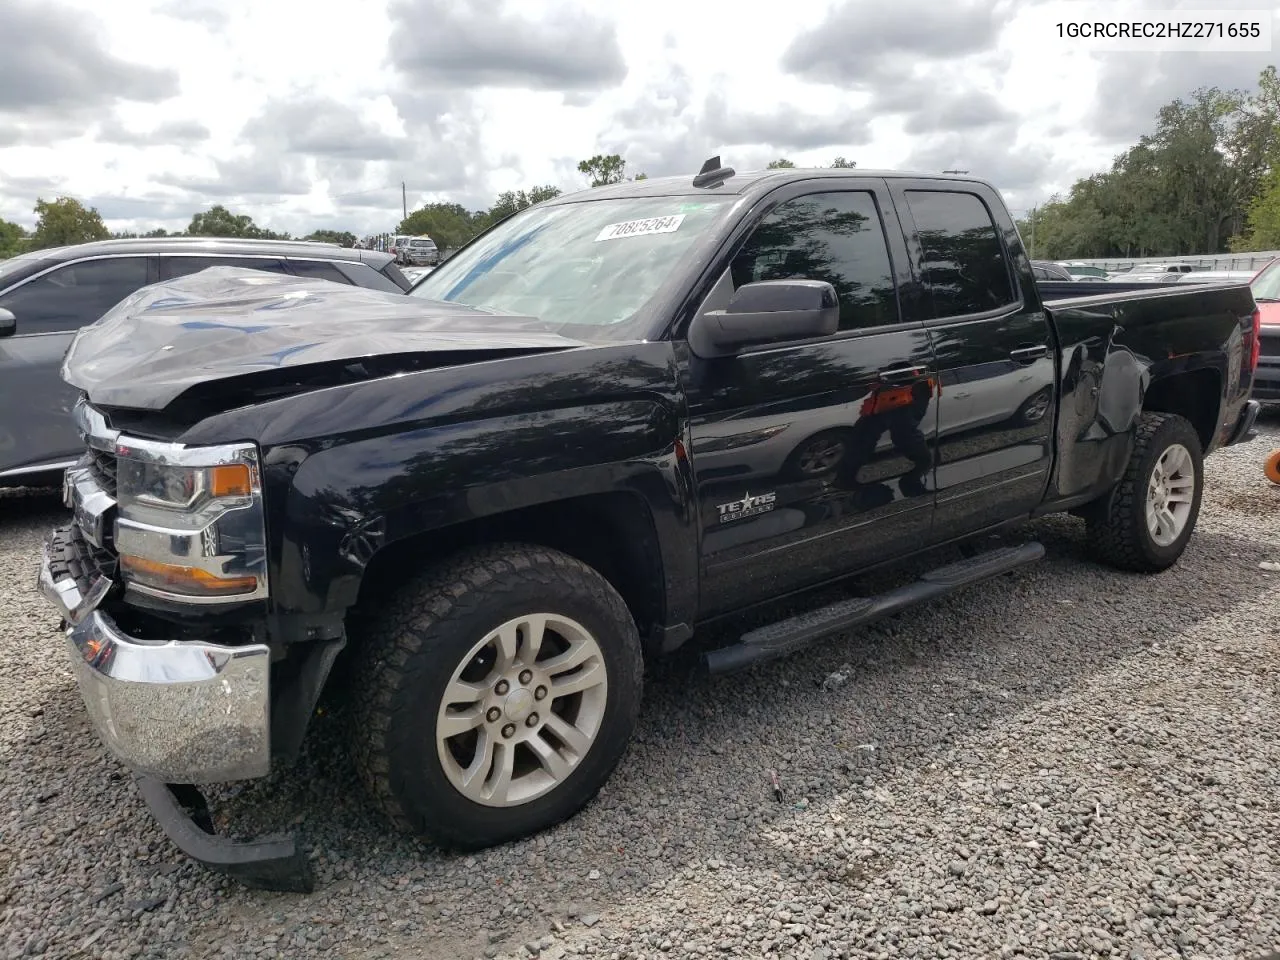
<point>177,711</point>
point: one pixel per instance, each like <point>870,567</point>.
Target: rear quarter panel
<point>1113,348</point>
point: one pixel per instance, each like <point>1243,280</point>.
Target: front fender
<point>346,503</point>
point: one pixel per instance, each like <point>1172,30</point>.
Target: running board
<point>786,636</point>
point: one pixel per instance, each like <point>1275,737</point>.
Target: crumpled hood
<point>231,321</point>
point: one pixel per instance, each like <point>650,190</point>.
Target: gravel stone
<point>1065,762</point>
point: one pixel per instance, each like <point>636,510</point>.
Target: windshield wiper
<point>1266,299</point>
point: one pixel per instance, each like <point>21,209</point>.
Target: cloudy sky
<point>311,113</point>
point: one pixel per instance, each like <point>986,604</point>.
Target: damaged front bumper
<point>176,712</point>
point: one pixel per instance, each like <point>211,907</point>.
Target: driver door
<point>815,458</point>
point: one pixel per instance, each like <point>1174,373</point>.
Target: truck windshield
<point>583,269</point>
<point>1266,285</point>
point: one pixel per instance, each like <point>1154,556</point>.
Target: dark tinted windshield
<point>584,269</point>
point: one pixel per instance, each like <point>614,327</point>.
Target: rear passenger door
<point>813,458</point>
<point>994,350</point>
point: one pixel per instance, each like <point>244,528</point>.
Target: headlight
<point>191,524</point>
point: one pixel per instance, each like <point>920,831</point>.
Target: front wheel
<point>1149,518</point>
<point>497,696</point>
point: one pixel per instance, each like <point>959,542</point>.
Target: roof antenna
<point>712,173</point>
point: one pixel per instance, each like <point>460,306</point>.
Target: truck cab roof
<point>750,182</point>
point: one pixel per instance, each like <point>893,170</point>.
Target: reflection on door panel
<point>806,479</point>
<point>995,367</point>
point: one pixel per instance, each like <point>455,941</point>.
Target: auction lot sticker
<point>641,228</point>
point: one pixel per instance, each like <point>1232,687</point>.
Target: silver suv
<point>419,252</point>
<point>47,295</point>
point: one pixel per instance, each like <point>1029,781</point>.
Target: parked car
<point>1217,276</point>
<point>47,295</point>
<point>420,252</point>
<point>1142,275</point>
<point>1044,270</point>
<point>493,497</point>
<point>1085,270</point>
<point>397,248</point>
<point>1162,268</point>
<point>1266,291</point>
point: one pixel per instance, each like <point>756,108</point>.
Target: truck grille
<point>102,466</point>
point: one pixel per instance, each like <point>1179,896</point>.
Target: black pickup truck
<point>610,418</point>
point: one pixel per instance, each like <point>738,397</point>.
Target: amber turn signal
<point>230,480</point>
<point>191,581</point>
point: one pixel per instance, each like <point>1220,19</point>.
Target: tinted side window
<point>363,275</point>
<point>174,266</point>
<point>837,237</point>
<point>964,260</point>
<point>318,269</point>
<point>70,297</point>
<point>398,278</point>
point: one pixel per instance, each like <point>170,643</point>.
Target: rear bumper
<point>1244,431</point>
<point>177,711</point>
<point>1266,379</point>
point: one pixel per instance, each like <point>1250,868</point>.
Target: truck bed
<point>1058,290</point>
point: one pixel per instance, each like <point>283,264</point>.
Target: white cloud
<point>316,111</point>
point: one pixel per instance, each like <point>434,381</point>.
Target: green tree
<point>604,169</point>
<point>343,238</point>
<point>65,221</point>
<point>450,225</point>
<point>782,163</point>
<point>12,239</point>
<point>218,221</point>
<point>1190,186</point>
<point>840,163</point>
<point>1262,223</point>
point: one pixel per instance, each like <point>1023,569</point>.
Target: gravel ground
<point>1065,763</point>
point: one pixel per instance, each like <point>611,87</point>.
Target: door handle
<point>1025,354</point>
<point>902,374</point>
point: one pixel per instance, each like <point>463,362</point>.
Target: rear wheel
<point>496,695</point>
<point>1147,521</point>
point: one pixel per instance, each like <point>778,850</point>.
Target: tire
<point>1118,529</point>
<point>413,650</point>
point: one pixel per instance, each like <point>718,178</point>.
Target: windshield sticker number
<point>641,228</point>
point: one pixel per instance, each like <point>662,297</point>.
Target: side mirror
<point>769,311</point>
<point>8,323</point>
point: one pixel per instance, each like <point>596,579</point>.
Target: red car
<point>1266,293</point>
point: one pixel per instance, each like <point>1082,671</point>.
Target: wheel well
<point>1193,394</point>
<point>611,532</point>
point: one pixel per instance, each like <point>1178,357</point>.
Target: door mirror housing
<point>8,323</point>
<point>768,311</point>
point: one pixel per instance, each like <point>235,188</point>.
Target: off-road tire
<point>407,653</point>
<point>1117,525</point>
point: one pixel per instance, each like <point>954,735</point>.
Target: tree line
<point>65,220</point>
<point>1206,180</point>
